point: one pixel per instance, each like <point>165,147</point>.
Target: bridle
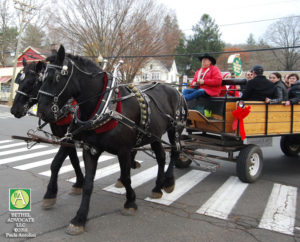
<point>64,72</point>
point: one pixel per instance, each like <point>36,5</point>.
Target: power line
<point>186,54</point>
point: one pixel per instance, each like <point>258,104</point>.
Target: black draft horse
<point>72,76</point>
<point>30,81</point>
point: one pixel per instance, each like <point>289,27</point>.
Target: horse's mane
<point>81,61</point>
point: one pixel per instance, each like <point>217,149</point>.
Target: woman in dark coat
<point>280,92</point>
<point>294,91</point>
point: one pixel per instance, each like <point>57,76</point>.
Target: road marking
<point>9,152</point>
<point>182,186</point>
<point>5,141</point>
<point>224,199</point>
<point>69,168</point>
<point>103,172</point>
<point>28,156</point>
<point>12,145</point>
<point>136,180</point>
<point>280,212</point>
<point>34,164</point>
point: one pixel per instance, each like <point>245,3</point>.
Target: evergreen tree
<point>206,38</point>
<point>33,36</point>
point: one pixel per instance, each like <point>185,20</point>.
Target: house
<point>30,54</point>
<point>163,70</point>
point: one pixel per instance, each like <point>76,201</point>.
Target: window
<point>155,76</point>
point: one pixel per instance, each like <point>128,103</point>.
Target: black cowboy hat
<point>207,56</point>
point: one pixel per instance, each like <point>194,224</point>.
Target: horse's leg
<point>77,187</point>
<point>50,195</point>
<point>78,222</point>
<point>161,161</point>
<point>134,165</point>
<point>125,159</point>
<point>169,182</point>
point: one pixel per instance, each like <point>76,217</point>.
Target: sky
<point>226,12</point>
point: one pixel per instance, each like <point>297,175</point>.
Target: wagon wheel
<point>288,147</point>
<point>182,162</point>
<point>249,164</point>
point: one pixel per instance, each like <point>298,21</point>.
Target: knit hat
<point>226,75</point>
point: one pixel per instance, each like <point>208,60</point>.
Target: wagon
<point>216,132</point>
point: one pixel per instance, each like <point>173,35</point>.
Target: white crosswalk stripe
<point>279,210</point>
<point>224,199</point>
<point>6,115</point>
<point>9,152</point>
<point>182,186</point>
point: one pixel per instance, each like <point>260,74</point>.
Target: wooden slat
<point>279,108</point>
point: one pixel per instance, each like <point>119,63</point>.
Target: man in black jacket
<point>259,87</point>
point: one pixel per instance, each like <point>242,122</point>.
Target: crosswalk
<point>5,115</point>
<point>279,210</point>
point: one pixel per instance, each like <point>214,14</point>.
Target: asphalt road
<point>205,206</point>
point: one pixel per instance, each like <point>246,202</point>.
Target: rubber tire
<point>182,162</point>
<point>243,163</point>
<point>285,145</point>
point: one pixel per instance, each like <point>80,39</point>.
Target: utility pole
<point>25,9</point>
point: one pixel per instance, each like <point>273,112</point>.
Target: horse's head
<point>55,90</point>
<point>30,81</point>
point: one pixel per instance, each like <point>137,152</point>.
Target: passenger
<point>231,92</point>
<point>207,80</point>
<point>280,92</point>
<point>248,77</point>
<point>259,87</point>
<point>286,80</point>
<point>294,91</point>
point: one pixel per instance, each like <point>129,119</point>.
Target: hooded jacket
<point>258,88</point>
<point>294,92</point>
<point>280,92</point>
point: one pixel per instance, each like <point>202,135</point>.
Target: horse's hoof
<point>75,191</point>
<point>128,211</point>
<point>74,230</point>
<point>48,203</point>
<point>137,165</point>
<point>156,195</point>
<point>169,189</point>
<point>119,184</point>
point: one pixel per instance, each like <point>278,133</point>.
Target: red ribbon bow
<point>239,114</point>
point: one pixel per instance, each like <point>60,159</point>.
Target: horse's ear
<point>60,55</point>
<point>40,66</point>
<point>24,62</point>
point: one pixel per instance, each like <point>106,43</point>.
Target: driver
<point>207,80</point>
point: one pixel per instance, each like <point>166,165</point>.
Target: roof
<point>166,62</point>
<point>4,79</point>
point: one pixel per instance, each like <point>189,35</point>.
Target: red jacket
<point>212,81</point>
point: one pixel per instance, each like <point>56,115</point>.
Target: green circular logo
<point>19,199</point>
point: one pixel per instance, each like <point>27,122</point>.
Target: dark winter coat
<point>258,88</point>
<point>280,93</point>
<point>294,93</point>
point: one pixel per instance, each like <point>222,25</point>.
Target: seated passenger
<point>258,88</point>
<point>207,80</point>
<point>294,90</point>
<point>280,92</point>
<point>233,93</point>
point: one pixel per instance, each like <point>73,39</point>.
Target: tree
<point>285,33</point>
<point>33,36</point>
<point>116,28</point>
<point>251,41</point>
<point>206,38</point>
<point>8,34</point>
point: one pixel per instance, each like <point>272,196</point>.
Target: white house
<point>158,70</point>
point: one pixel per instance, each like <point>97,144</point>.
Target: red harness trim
<point>112,123</point>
